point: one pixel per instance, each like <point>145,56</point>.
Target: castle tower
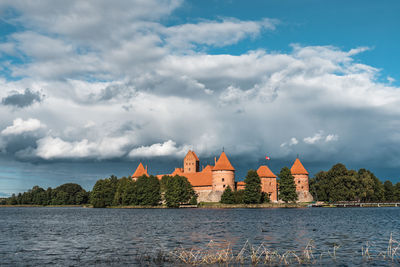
<point>191,162</point>
<point>140,171</point>
<point>268,182</point>
<point>300,175</point>
<point>223,174</point>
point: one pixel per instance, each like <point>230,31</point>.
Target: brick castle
<point>211,181</point>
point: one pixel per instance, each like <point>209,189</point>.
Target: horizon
<point>91,89</point>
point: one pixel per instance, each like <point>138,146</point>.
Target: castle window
<point>189,169</point>
<point>224,186</point>
<point>223,179</point>
<point>299,182</point>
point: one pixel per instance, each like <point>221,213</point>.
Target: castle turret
<point>300,175</point>
<point>191,162</point>
<point>140,171</point>
<point>223,174</point>
<point>268,182</point>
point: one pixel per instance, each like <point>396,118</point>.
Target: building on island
<point>210,182</point>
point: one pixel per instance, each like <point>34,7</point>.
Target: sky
<point>92,88</point>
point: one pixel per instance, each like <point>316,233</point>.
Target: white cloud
<point>293,141</point>
<point>319,136</point>
<point>20,126</point>
<point>56,148</point>
<point>216,33</point>
<point>331,138</point>
<point>167,148</point>
<point>313,139</point>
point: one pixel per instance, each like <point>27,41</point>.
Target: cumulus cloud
<point>293,141</point>
<point>168,148</point>
<point>21,100</point>
<point>23,126</point>
<point>215,33</point>
<point>55,148</point>
<point>117,81</point>
<point>319,136</point>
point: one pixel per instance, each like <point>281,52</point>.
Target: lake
<point>85,236</point>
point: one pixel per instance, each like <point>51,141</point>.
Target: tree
<point>103,192</point>
<point>228,196</point>
<point>287,187</point>
<point>389,191</point>
<point>148,191</point>
<point>122,194</point>
<point>252,190</point>
<point>178,190</point>
<point>265,198</point>
<point>238,196</point>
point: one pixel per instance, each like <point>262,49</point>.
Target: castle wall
<point>301,181</point>
<point>221,180</point>
<point>269,186</point>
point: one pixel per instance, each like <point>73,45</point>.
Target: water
<point>84,236</point>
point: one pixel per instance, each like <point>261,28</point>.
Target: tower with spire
<point>268,182</point>
<point>223,174</point>
<point>300,175</point>
<point>140,171</point>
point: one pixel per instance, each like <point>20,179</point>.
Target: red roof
<point>140,170</point>
<point>298,168</point>
<point>223,164</point>
<point>191,152</point>
<point>203,178</point>
<point>241,183</point>
<point>264,171</point>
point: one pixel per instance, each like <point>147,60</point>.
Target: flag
<point>267,158</point>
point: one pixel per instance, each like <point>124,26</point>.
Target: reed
<point>221,253</point>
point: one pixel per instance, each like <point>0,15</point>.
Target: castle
<point>211,181</point>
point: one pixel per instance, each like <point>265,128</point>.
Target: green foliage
<point>390,194</point>
<point>66,194</point>
<point>103,192</point>
<point>178,191</point>
<point>228,196</point>
<point>193,200</point>
<point>252,190</point>
<point>341,184</point>
<point>125,193</point>
<point>287,187</point>
<point>148,192</point>
<point>265,198</point>
<point>238,196</point>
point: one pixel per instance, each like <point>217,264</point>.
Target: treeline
<point>145,191</point>
<point>66,194</point>
<point>252,193</point>
<point>341,184</point>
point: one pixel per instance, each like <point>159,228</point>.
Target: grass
<point>221,253</point>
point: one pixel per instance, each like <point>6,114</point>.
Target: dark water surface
<point>84,236</point>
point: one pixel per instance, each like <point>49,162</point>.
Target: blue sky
<point>89,89</point>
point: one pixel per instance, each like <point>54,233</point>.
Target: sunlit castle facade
<point>210,182</point>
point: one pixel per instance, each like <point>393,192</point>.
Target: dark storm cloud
<point>22,100</point>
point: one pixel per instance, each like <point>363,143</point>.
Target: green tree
<point>178,190</point>
<point>103,192</point>
<point>389,191</point>
<point>287,187</point>
<point>228,196</point>
<point>238,196</point>
<point>148,190</point>
<point>122,193</point>
<point>252,190</point>
<point>265,198</point>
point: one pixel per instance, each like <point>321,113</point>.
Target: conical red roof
<point>298,168</point>
<point>140,170</point>
<point>223,164</point>
<point>264,171</point>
